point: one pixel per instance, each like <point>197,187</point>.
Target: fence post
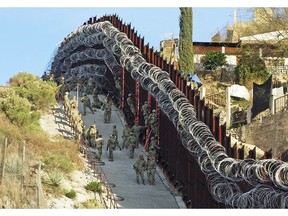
<point>3,160</point>
<point>39,186</point>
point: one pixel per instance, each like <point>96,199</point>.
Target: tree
<point>214,59</point>
<point>272,23</point>
<point>39,93</point>
<point>251,68</point>
<point>186,63</point>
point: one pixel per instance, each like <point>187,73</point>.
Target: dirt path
<point>55,125</point>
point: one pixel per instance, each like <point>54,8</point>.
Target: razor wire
<point>269,177</point>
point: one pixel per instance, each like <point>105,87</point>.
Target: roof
<point>268,36</point>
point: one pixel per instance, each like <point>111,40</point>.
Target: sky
<point>31,32</point>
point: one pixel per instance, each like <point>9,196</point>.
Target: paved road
<point>120,172</point>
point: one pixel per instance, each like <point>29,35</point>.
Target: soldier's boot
<point>137,180</point>
<point>143,181</point>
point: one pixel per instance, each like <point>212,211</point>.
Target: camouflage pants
<point>151,176</point>
<point>84,107</point>
<point>99,153</point>
<point>110,155</point>
<point>132,147</point>
<point>107,116</point>
<point>146,119</point>
<point>154,128</point>
<point>140,174</point>
<point>125,143</point>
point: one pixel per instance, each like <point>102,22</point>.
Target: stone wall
<point>266,133</point>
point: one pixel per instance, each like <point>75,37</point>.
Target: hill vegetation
<point>22,103</point>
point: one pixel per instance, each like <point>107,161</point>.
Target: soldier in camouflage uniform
<point>118,84</point>
<point>79,130</point>
<point>107,107</point>
<point>140,166</point>
<point>66,103</point>
<point>73,118</point>
<point>125,135</point>
<point>136,129</point>
<point>151,169</point>
<point>91,135</point>
<point>153,147</point>
<point>132,144</point>
<point>97,103</point>
<point>115,134</point>
<point>131,103</point>
<point>89,85</point>
<point>62,80</point>
<point>86,103</point>
<point>73,103</point>
<point>111,145</point>
<point>154,122</point>
<point>99,145</point>
<point>145,111</point>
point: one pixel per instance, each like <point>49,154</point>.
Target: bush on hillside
<point>71,194</point>
<point>16,108</point>
<point>58,161</point>
<point>39,93</point>
<point>95,187</point>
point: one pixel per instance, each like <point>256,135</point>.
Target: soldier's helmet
<point>119,78</point>
<point>129,95</point>
<point>154,111</point>
<point>111,135</point>
<point>85,94</point>
<point>152,138</point>
<point>66,93</point>
<point>145,102</point>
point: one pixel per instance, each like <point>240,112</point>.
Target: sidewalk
<point>120,172</point>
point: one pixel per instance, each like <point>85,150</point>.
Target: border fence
<point>176,162</point>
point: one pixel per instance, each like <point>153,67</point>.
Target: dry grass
<point>38,146</point>
<point>90,204</point>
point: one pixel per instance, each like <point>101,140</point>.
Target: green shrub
<point>17,109</point>
<point>251,68</point>
<point>39,93</point>
<point>58,161</point>
<point>54,178</point>
<point>71,194</point>
<point>14,166</point>
<point>95,187</point>
<point>214,59</point>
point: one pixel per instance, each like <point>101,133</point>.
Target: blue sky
<point>30,35</point>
